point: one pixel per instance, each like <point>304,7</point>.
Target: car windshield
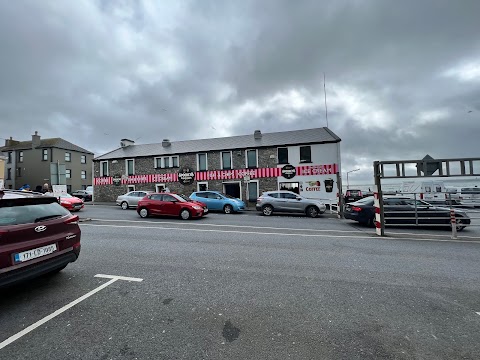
<point>183,197</point>
<point>228,196</point>
<point>15,215</point>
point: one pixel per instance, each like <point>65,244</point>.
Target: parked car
<point>352,195</point>
<point>37,236</point>
<point>216,200</point>
<point>470,196</point>
<point>131,199</point>
<point>69,202</point>
<point>288,201</point>
<point>168,204</point>
<point>404,211</point>
<point>83,194</point>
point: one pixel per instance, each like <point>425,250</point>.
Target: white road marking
<point>118,277</point>
<point>372,236</point>
<point>478,313</point>
<point>40,322</point>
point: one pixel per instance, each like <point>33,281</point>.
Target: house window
<point>166,162</point>
<point>20,156</point>
<point>9,174</point>
<point>19,172</point>
<point>103,168</point>
<point>251,159</point>
<point>84,174</point>
<point>69,189</point>
<point>68,156</point>
<point>45,154</point>
<point>83,159</point>
<point>282,155</point>
<point>202,162</point>
<point>9,157</point>
<point>130,166</point>
<point>226,160</point>
<point>68,173</point>
<point>305,154</point>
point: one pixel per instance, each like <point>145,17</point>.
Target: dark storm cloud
<point>401,76</point>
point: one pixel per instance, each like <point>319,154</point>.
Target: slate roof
<point>295,137</point>
<point>58,143</point>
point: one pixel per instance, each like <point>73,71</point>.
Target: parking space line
<point>118,277</point>
<point>478,313</point>
<point>40,322</point>
<point>372,236</point>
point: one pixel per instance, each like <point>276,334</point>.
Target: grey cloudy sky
<point>403,77</point>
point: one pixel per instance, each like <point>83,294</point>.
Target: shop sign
<point>186,176</point>
<point>289,171</point>
<point>313,186</point>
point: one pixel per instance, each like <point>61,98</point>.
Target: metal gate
<point>407,208</point>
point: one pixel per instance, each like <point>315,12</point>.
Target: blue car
<point>216,200</point>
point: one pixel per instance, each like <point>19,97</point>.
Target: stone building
<point>304,161</point>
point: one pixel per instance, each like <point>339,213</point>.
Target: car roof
<point>280,191</point>
<point>18,194</point>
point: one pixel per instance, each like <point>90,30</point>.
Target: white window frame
<point>221,160</point>
<point>162,162</point>
<point>126,167</point>
<point>20,156</point>
<point>83,157</point>
<point>158,187</point>
<point>130,188</point>
<point>68,173</point>
<point>101,168</point>
<point>233,182</point>
<point>44,154</point>
<point>178,161</point>
<point>246,157</point>
<point>202,183</point>
<point>69,156</point>
<point>83,174</point>
<point>206,161</point>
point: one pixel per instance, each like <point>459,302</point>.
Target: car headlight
<point>196,207</point>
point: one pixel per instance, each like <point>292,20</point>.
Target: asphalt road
<point>250,287</point>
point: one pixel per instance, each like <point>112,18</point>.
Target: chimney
<point>11,142</point>
<point>257,135</point>
<point>35,140</point>
<point>166,143</point>
<point>126,142</point>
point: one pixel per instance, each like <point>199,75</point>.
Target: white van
<point>433,192</point>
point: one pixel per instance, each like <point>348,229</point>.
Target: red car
<point>70,202</point>
<point>37,236</point>
<point>168,204</point>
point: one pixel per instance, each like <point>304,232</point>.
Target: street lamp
<point>348,172</point>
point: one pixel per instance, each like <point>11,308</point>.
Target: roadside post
<point>453,221</point>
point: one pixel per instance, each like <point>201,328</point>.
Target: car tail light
<point>72,220</point>
<point>356,208</point>
<point>421,196</point>
<point>259,199</point>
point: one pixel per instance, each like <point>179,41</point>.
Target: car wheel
<point>312,211</point>
<point>124,205</point>
<point>228,209</point>
<point>143,213</point>
<point>371,222</point>
<point>185,214</point>
<point>267,210</point>
<point>460,226</point>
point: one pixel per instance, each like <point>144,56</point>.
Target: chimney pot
<point>257,134</point>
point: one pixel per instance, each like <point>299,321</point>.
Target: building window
<point>9,174</point>
<point>20,156</point>
<point>202,162</point>
<point>83,159</point>
<point>84,174</point>
<point>84,187</point>
<point>69,189</point>
<point>103,168</point>
<point>9,157</point>
<point>68,173</point>
<point>130,166</point>
<point>130,188</point>
<point>252,159</point>
<point>305,154</point>
<point>44,154</point>
<point>282,155</point>
<point>19,172</point>
<point>68,156</point>
<point>226,160</point>
<point>166,162</point>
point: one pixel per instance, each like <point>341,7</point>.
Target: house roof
<point>46,143</point>
<point>306,136</point>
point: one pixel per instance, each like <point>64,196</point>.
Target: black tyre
<point>185,214</point>
<point>312,211</point>
<point>124,205</point>
<point>267,210</point>
<point>228,209</point>
<point>144,213</point>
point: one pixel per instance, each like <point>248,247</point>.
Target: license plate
<point>205,210</point>
<point>35,253</point>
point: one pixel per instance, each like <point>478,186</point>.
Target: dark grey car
<point>290,202</point>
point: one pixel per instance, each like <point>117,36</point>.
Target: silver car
<point>131,199</point>
<point>287,201</point>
